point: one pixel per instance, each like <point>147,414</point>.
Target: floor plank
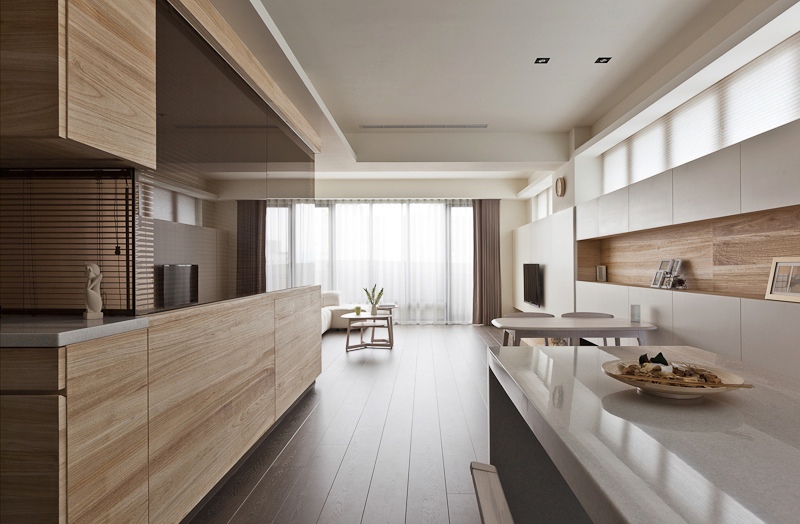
<point>383,436</point>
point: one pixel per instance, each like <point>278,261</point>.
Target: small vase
<point>374,310</point>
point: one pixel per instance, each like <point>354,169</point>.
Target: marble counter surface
<point>55,331</point>
<point>629,456</point>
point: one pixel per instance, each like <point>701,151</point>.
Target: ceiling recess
<point>423,126</point>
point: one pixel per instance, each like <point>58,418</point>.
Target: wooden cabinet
<point>107,429</point>
<point>73,438</point>
<point>32,435</point>
<point>78,82</point>
<point>212,396</point>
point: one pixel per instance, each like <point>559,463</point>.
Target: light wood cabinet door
<point>32,459</point>
<point>107,429</point>
<point>111,81</point>
<point>78,82</point>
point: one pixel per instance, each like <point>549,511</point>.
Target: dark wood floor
<point>384,436</point>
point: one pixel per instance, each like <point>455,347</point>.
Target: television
<point>176,285</point>
<point>533,284</point>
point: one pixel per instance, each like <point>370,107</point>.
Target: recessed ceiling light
<point>542,60</point>
<point>602,60</point>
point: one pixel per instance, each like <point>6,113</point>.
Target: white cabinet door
<point>770,332</point>
<point>708,187</point>
<point>586,220</point>
<point>612,213</point>
<point>771,169</point>
<point>656,309</point>
<point>650,202</point>
<point>707,322</point>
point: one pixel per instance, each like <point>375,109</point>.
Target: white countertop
<point>55,331</point>
<point>562,324</point>
<point>729,457</point>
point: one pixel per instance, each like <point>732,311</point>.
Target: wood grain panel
<point>38,369</point>
<point>33,459</point>
<point>33,68</point>
<point>207,21</point>
<point>728,256</point>
<point>212,395</point>
<point>107,429</point>
<point>111,85</point>
<point>298,346</point>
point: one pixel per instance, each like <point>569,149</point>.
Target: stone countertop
<point>728,457</point>
<point>55,331</point>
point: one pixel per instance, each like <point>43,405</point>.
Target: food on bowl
<point>658,368</point>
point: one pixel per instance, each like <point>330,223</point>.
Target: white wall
<point>513,214</point>
<point>551,243</point>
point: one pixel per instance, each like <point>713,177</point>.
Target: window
<point>419,251</point>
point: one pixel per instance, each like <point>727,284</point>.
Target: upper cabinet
<point>78,82</point>
<point>708,187</point>
<point>650,202</point>
<point>771,169</point>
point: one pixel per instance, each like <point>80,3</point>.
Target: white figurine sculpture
<point>94,302</point>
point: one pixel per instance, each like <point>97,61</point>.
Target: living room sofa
<point>332,311</point>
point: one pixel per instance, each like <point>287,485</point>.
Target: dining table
<point>572,328</point>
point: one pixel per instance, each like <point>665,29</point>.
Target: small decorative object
<point>601,273</point>
<point>784,279</point>
<point>636,313</point>
<point>667,275</point>
<point>94,301</point>
<point>358,310</point>
<point>373,298</point>
<point>561,186</point>
<point>658,279</point>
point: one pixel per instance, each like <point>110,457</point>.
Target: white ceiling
<point>346,63</point>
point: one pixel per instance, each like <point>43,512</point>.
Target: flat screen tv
<point>533,284</point>
<point>176,285</point>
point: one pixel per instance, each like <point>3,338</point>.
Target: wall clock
<point>561,186</point>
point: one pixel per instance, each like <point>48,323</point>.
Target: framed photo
<point>784,279</point>
<point>665,265</point>
<point>601,274</point>
<point>658,279</point>
<point>676,266</point>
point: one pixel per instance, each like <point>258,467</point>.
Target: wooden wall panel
<point>32,459</point>
<point>298,346</point>
<point>37,369</point>
<point>726,256</point>
<point>33,68</point>
<point>111,85</point>
<point>107,429</point>
<point>212,396</point>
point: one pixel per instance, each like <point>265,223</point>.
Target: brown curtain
<point>251,262</point>
<point>486,296</point>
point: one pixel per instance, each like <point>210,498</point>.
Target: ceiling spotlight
<point>542,60</point>
<point>602,60</point>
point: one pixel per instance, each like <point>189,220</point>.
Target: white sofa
<point>332,311</point>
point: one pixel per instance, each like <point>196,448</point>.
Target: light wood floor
<point>384,436</point>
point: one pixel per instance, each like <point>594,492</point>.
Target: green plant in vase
<point>373,298</point>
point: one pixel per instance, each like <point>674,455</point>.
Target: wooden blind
<point>51,224</point>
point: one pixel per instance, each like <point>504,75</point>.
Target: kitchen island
<point>574,445</point>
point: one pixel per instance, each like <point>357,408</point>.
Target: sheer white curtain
<point>278,248</point>
<point>419,252</point>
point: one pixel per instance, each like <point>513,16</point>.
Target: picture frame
<point>676,266</point>
<point>658,279</point>
<point>784,279</point>
<point>665,265</point>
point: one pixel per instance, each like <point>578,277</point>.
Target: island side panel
<point>212,396</point>
<point>298,345</point>
<point>107,429</point>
